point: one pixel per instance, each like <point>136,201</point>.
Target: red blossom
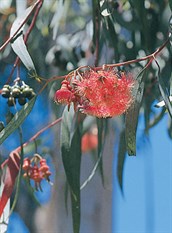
<point>102,93</point>
<point>36,172</point>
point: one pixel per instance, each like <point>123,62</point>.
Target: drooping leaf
<point>121,159</point>
<point>18,44</point>
<point>101,126</point>
<point>71,133</point>
<point>132,115</point>
<point>17,120</point>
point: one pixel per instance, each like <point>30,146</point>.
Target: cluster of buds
<point>102,93</point>
<point>36,169</point>
<point>22,92</point>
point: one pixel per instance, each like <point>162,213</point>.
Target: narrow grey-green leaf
<point>17,120</point>
<point>71,133</point>
<point>18,44</point>
<point>101,126</point>
<point>121,159</point>
<point>132,115</point>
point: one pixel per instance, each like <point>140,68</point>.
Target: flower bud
<point>11,101</point>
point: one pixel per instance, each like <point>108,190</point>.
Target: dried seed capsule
<point>27,92</point>
<point>22,100</point>
<point>6,91</point>
<point>11,101</point>
<point>15,91</point>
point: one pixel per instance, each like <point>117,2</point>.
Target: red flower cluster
<point>35,172</point>
<point>101,94</point>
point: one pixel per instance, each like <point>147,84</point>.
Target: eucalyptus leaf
<point>71,157</point>
<point>17,120</point>
<point>101,126</point>
<point>121,159</point>
<point>133,114</point>
<point>18,44</point>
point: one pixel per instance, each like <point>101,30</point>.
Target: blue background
<point>145,206</point>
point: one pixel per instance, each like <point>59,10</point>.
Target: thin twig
<point>151,56</point>
<point>18,149</point>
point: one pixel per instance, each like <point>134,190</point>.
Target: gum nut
<point>22,100</point>
<point>11,101</point>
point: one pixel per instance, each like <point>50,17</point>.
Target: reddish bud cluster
<point>89,142</point>
<point>101,94</point>
<point>38,171</point>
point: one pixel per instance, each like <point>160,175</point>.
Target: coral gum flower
<point>102,94</point>
<point>106,93</point>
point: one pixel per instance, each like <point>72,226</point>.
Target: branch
<point>18,149</point>
<point>150,57</point>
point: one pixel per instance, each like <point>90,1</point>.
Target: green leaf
<point>132,115</point>
<point>17,120</point>
<point>121,159</point>
<point>71,133</point>
<point>101,126</point>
